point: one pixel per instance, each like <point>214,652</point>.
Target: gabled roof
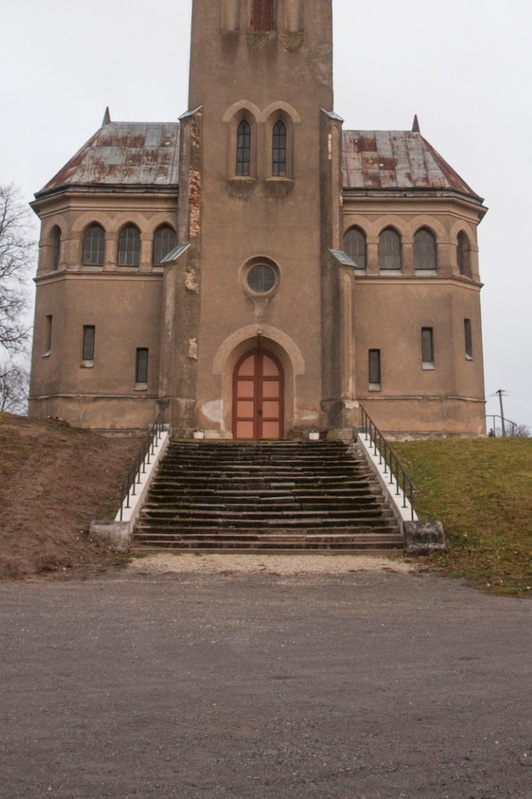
<point>128,154</point>
<point>388,161</point>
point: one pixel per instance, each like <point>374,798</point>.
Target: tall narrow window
<point>427,347</point>
<point>48,335</point>
<point>463,254</point>
<point>94,246</point>
<point>89,336</point>
<point>389,250</point>
<point>468,336</point>
<point>57,248</point>
<point>279,150</point>
<point>141,369</point>
<point>164,242</point>
<point>263,15</point>
<point>424,250</point>
<point>355,246</point>
<point>129,247</point>
<point>243,149</point>
<point>374,370</point>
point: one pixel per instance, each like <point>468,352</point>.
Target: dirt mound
<point>53,481</point>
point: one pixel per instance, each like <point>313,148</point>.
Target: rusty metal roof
<point>146,154</point>
<point>123,154</point>
<point>383,160</point>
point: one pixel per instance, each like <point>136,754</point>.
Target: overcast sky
<point>464,66</point>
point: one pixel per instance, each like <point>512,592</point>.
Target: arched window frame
<point>263,16</point>
<point>129,246</point>
<point>390,250</point>
<point>463,254</point>
<point>425,251</point>
<point>354,245</point>
<point>164,241</point>
<point>57,244</point>
<point>279,150</point>
<point>243,148</point>
<point>93,245</point>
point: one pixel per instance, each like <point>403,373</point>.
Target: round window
<point>261,278</point>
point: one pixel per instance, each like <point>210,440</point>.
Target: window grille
<point>164,242</point>
<point>89,336</point>
<point>424,250</point>
<point>57,248</point>
<point>355,246</point>
<point>243,149</point>
<point>463,255</point>
<point>279,150</point>
<point>129,247</point>
<point>94,246</point>
<point>374,369</point>
<point>389,250</point>
<point>263,15</point>
<point>141,370</point>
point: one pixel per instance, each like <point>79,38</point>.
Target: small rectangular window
<point>468,336</point>
<point>48,335</point>
<point>374,370</point>
<point>427,347</point>
<point>141,371</point>
<point>89,332</point>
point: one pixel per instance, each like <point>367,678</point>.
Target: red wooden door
<point>258,397</point>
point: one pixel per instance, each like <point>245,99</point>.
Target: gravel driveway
<point>223,683</point>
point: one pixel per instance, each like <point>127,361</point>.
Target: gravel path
<point>170,563</point>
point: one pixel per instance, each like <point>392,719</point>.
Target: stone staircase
<point>265,496</point>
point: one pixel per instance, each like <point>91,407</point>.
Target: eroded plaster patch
<point>213,411</point>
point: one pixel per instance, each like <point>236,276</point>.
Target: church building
<point>254,269</point>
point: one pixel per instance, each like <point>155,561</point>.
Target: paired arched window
<point>263,15</point>
<point>279,159</point>
<point>129,246</point>
<point>463,254</point>
<point>424,250</point>
<point>355,246</point>
<point>390,250</point>
<point>94,246</point>
<point>164,242</point>
<point>243,149</point>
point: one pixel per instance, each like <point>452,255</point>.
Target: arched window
<point>389,250</point>
<point>243,149</point>
<point>355,246</point>
<point>279,150</point>
<point>94,246</point>
<point>164,242</point>
<point>56,241</point>
<point>263,15</point>
<point>424,250</point>
<point>129,246</point>
<point>463,254</point>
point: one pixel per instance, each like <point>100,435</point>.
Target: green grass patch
<point>481,490</point>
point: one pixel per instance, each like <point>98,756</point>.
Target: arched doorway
<point>258,396</point>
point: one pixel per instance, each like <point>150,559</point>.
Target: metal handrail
<point>391,464</point>
<point>503,422</point>
<point>146,451</point>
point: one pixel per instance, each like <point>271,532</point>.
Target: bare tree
<point>14,385</point>
<point>16,253</point>
<point>521,431</point>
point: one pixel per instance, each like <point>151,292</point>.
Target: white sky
<point>464,66</point>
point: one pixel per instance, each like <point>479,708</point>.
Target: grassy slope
<point>482,492</point>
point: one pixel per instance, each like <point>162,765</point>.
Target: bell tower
<point>259,209</point>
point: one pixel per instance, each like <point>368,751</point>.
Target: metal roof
<point>123,154</point>
<point>146,154</point>
<point>383,160</point>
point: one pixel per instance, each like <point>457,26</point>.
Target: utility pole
<point>500,392</point>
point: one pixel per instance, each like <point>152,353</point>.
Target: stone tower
<point>248,341</point>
